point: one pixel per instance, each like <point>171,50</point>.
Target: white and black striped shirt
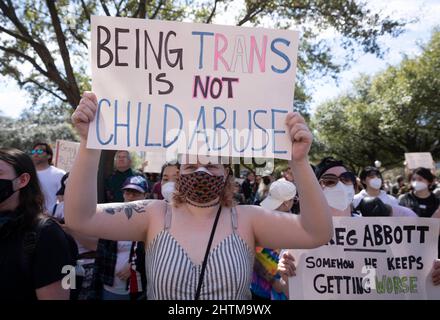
<point>171,275</point>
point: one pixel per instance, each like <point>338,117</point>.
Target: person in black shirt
<point>33,249</point>
<point>421,200</point>
<point>249,188</point>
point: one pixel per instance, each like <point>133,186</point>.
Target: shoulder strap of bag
<point>205,260</point>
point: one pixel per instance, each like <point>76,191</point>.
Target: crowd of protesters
<point>149,239</point>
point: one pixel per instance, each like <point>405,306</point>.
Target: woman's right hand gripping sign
<point>84,114</point>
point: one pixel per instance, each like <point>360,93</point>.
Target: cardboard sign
<point>155,161</point>
<point>197,88</point>
<point>65,153</point>
<point>370,258</point>
<point>419,159</point>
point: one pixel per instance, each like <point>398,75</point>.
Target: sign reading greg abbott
<point>203,89</point>
<point>370,258</point>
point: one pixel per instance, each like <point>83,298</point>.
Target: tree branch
<point>22,83</point>
<point>15,35</point>
<point>40,48</point>
<point>212,14</point>
<point>105,8</point>
<point>86,11</point>
<point>156,12</point>
<point>26,57</point>
<point>77,37</point>
<point>118,8</point>
<point>252,12</point>
<point>61,39</point>
<point>9,12</point>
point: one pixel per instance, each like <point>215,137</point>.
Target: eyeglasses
<point>330,180</point>
<point>37,151</point>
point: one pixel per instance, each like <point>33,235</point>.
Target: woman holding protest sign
<point>332,173</point>
<point>338,185</point>
<point>180,262</point>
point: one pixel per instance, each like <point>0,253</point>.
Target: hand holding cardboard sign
<point>300,136</point>
<point>286,266</point>
<point>85,113</point>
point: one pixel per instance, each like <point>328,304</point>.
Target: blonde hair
<point>226,196</point>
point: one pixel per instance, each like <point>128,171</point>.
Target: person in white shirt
<point>48,175</point>
<point>371,180</point>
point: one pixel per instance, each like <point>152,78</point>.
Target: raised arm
<point>121,221</point>
<point>313,227</point>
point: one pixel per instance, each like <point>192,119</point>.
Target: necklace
<point>203,206</point>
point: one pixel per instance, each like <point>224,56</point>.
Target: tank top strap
<point>234,219</point>
<point>168,216</point>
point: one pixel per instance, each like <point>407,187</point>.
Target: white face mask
<point>375,183</point>
<point>419,185</point>
<point>340,196</point>
<point>167,190</point>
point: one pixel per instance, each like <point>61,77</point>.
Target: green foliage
<point>50,124</point>
<point>44,43</point>
<point>394,112</point>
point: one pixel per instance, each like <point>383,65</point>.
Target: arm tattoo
<point>128,208</point>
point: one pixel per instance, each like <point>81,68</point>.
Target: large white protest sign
<point>370,258</point>
<point>198,88</point>
<point>65,153</point>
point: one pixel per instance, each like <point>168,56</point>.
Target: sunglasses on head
<point>330,180</point>
<point>37,151</point>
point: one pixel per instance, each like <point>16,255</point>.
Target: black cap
<point>327,163</point>
<point>424,173</point>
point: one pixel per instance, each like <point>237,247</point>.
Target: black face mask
<point>6,189</point>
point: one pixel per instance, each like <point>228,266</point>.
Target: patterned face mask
<point>200,186</point>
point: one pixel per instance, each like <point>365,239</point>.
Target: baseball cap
<point>138,183</point>
<point>279,191</point>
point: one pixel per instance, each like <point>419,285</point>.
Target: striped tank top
<point>171,275</point>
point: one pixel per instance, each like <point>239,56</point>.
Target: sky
<point>13,100</point>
